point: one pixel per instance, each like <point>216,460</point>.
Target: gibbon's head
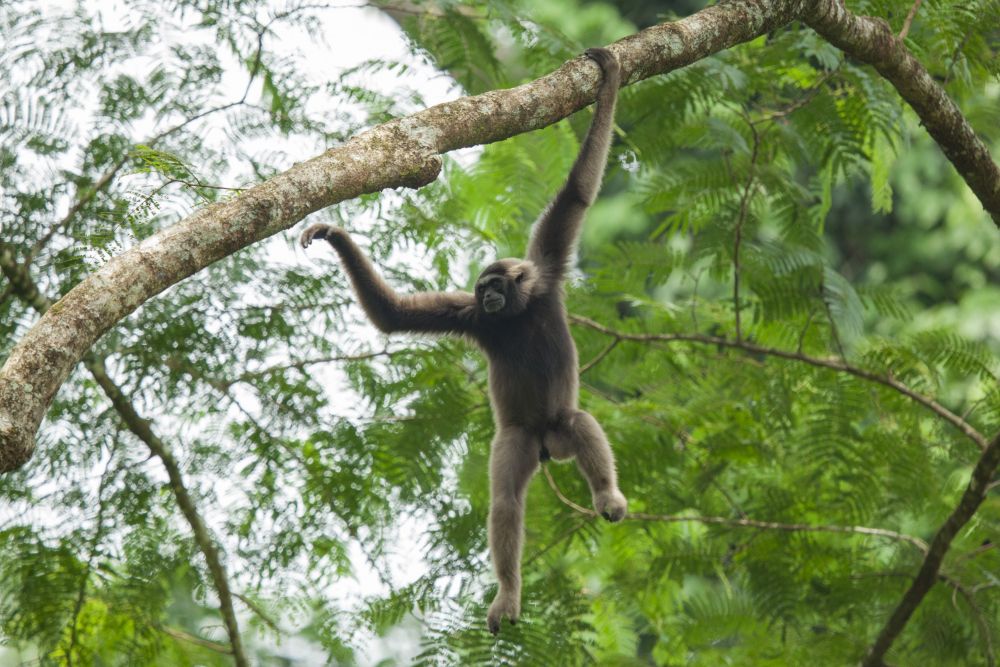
<point>504,287</point>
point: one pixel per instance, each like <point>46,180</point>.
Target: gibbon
<point>517,317</point>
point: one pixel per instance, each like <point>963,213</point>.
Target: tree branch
<point>746,523</point>
<point>740,220</point>
<point>870,40</point>
<point>25,288</point>
<point>88,567</point>
<point>401,153</point>
<point>833,364</point>
<point>86,194</point>
<point>974,494</point>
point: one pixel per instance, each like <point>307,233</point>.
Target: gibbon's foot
<point>604,58</point>
<point>611,505</point>
<point>503,605</point>
<point>316,233</point>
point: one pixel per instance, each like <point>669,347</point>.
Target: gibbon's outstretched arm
<point>435,312</point>
<point>553,239</point>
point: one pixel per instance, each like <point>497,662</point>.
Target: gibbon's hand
<point>319,232</point>
<point>605,59</point>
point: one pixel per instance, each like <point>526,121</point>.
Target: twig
<point>801,102</point>
<point>832,364</point>
<point>909,19</point>
<point>197,641</point>
<point>747,523</point>
<point>26,289</point>
<point>740,220</point>
<point>600,356</point>
<point>85,195</point>
<point>974,494</point>
<point>95,540</point>
<point>255,608</point>
<point>977,614</point>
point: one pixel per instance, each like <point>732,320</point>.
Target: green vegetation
<point>788,315</point>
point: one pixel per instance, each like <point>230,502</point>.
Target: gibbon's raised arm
<point>434,312</point>
<point>553,239</point>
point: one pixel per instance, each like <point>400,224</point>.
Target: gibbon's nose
<point>492,304</point>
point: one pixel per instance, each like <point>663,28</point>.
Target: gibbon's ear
<point>526,278</point>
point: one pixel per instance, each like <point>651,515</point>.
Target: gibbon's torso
<point>537,378</point>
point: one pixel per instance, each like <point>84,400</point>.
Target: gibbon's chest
<point>534,345</point>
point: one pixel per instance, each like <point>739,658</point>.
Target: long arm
<point>436,312</point>
<point>554,236</point>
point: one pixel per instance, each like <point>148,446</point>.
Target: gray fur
<point>532,359</point>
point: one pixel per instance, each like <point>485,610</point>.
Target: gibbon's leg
<point>513,460</point>
<point>578,434</point>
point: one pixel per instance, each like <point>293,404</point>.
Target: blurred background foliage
<point>343,474</point>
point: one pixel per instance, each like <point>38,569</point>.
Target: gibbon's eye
<point>519,277</point>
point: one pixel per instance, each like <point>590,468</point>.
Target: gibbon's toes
<point>603,57</point>
<point>312,233</point>
<point>500,608</point>
<point>612,505</point>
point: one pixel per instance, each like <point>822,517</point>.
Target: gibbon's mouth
<point>493,304</point>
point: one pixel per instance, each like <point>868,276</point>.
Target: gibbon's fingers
<point>314,232</point>
<point>604,58</point>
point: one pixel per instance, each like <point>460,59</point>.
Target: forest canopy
<point>786,305</point>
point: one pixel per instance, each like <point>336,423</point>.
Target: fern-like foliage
<point>777,249</point>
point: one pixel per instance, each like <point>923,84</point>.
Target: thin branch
<point>85,195</point>
<point>954,57</point>
<point>404,152</point>
<point>985,633</point>
<point>872,41</point>
<point>300,364</point>
<point>802,101</point>
<point>981,549</point>
<point>566,534</point>
<point>563,499</point>
<point>909,19</point>
<point>833,364</point>
<point>805,330</point>
<point>194,185</point>
<point>95,540</point>
<point>142,428</point>
<point>197,641</point>
<point>740,220</point>
<point>973,497</point>
<point>746,523</point>
<point>25,288</point>
<point>261,614</point>
<point>600,356</point>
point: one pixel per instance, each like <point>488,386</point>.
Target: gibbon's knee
<point>593,452</point>
<point>572,431</point>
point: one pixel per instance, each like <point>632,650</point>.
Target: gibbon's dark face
<point>491,291</point>
<point>502,288</point>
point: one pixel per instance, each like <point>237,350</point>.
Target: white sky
<point>350,35</point>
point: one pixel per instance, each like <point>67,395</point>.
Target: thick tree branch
<point>25,288</point>
<point>929,571</point>
<point>833,364</point>
<point>86,194</point>
<point>871,40</point>
<point>404,152</point>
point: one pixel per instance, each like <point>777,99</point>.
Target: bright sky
<point>350,35</point>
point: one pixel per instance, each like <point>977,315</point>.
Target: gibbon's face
<point>502,288</point>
